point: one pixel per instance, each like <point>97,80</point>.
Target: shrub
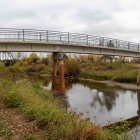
<point>19,67</point>
<point>12,99</point>
<point>72,67</point>
<point>33,58</point>
<point>9,94</point>
<point>35,68</point>
<point>45,61</point>
<point>5,72</point>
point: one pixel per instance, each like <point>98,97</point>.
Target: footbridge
<point>32,40</point>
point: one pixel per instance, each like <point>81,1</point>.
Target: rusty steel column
<point>138,99</point>
<point>138,77</point>
<point>54,73</point>
<point>62,78</point>
<point>58,79</point>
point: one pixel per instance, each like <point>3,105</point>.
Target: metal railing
<point>13,34</point>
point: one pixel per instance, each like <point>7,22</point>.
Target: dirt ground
<point>18,125</point>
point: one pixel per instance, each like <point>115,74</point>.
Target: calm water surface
<point>101,103</point>
<point>100,106</point>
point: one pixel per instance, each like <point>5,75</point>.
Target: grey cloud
<point>99,17</point>
<point>87,15</point>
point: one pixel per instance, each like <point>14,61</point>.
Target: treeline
<point>85,66</point>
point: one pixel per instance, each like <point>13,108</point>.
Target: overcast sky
<point>111,18</point>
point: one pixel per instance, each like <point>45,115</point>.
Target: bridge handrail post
<point>40,36</point>
<point>47,39</point>
<point>116,43</point>
<point>86,39</point>
<point>60,37</point>
<point>18,35</point>
<point>128,45</point>
<point>93,39</point>
<point>68,38</point>
<point>23,32</point>
<point>103,42</point>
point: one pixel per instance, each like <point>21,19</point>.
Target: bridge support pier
<point>58,79</point>
<point>62,78</point>
<point>138,77</point>
<point>138,99</point>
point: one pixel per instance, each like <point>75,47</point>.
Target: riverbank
<point>40,108</point>
<point>115,71</point>
<point>129,86</point>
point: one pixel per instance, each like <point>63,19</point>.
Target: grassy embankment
<point>38,105</point>
<point>115,71</point>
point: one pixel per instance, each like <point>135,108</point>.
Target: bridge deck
<point>28,40</point>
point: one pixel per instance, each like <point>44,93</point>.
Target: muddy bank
<point>129,86</point>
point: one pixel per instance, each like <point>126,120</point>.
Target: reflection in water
<point>99,102</point>
<point>104,99</point>
<point>138,97</point>
<point>102,103</point>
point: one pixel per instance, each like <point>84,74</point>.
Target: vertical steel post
<point>47,36</point>
<point>40,36</point>
<point>62,78</point>
<point>58,81</point>
<point>138,99</point>
<point>116,43</point>
<point>60,37</point>
<point>23,35</point>
<point>87,39</point>
<point>54,71</point>
<point>138,77</point>
<point>128,45</point>
<point>68,37</point>
<point>103,42</point>
<point>18,35</point>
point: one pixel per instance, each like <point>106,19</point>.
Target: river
<point>100,103</point>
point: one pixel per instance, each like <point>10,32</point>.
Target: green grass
<point>116,71</point>
<point>39,105</point>
<point>5,131</point>
<point>30,137</point>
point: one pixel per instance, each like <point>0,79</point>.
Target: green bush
<point>34,59</point>
<point>5,72</point>
<point>72,67</point>
<point>45,61</point>
<point>12,99</point>
<point>35,68</point>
